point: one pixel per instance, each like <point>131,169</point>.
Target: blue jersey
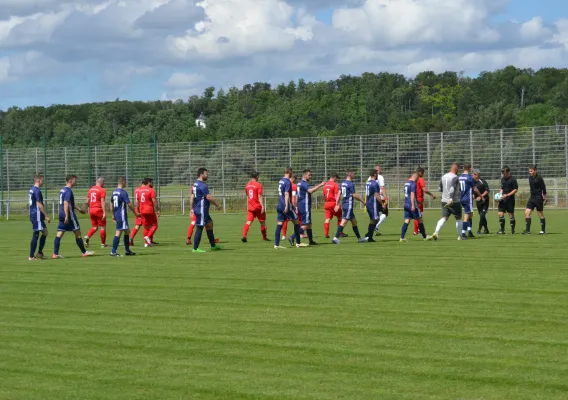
<point>409,187</point>
<point>371,189</point>
<point>347,190</point>
<point>466,187</point>
<point>66,195</point>
<point>120,202</point>
<point>35,197</point>
<point>304,196</point>
<point>284,186</point>
<point>200,202</point>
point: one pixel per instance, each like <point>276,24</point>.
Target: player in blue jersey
<point>374,203</point>
<point>348,194</point>
<point>411,210</point>
<point>305,205</point>
<point>201,200</point>
<point>467,188</point>
<point>118,207</point>
<point>68,219</point>
<point>285,210</point>
<point>38,217</point>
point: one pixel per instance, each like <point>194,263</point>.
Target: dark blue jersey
<point>66,195</point>
<point>347,190</point>
<point>409,187</point>
<point>120,203</point>
<point>467,183</point>
<point>284,186</point>
<point>200,202</point>
<point>35,197</point>
<point>304,196</point>
<point>371,189</point>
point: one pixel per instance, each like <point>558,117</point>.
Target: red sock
<point>152,231</point>
<point>284,226</point>
<point>263,231</point>
<point>103,234</point>
<point>91,232</point>
<point>246,230</point>
<point>145,232</point>
<point>133,233</point>
<point>416,227</point>
<point>326,228</point>
<point>190,231</point>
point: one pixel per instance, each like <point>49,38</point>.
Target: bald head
<point>100,181</point>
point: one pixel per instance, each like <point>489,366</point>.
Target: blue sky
<point>63,51</point>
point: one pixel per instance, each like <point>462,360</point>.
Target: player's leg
<point>284,229</point>
<point>248,223</point>
<point>382,218</point>
<point>57,240</point>
<point>153,228</point>
<point>421,227</point>
<point>150,226</point>
<point>528,211</point>
<point>339,232</point>
<point>262,221</point>
<point>102,231</point>
<point>355,227</point>
<point>511,212</point>
<point>416,224</point>
<point>328,215</point>
<point>193,220</point>
<point>80,243</point>
<point>126,240</point>
<point>404,227</point>
<point>278,230</point>
<point>540,212</point>
<point>94,227</point>
<point>210,234</point>
<point>42,240</point>
<point>445,215</point>
<point>116,239</point>
<point>33,244</point>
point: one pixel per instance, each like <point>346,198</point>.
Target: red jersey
<point>330,191</point>
<point>95,197</point>
<point>137,197</point>
<point>253,189</point>
<point>147,196</point>
<point>420,185</point>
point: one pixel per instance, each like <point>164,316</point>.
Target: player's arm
<point>261,201</point>
<point>286,201</point>
<point>543,188</point>
<point>311,190</point>
<point>66,211</point>
<point>103,205</point>
<point>81,210</point>
<point>133,209</point>
<point>413,200</point>
<point>514,191</point>
<point>213,201</point>
<point>378,197</point>
<point>42,209</point>
<point>429,193</point>
<point>357,197</point>
<point>452,190</point>
<point>156,205</point>
<point>295,199</point>
<point>191,200</point>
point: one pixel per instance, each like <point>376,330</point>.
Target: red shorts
<point>421,205</point>
<point>253,214</point>
<point>330,212</point>
<point>139,221</point>
<point>149,219</point>
<point>97,219</point>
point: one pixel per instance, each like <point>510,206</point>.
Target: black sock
<point>356,230</point>
<point>528,224</point>
<point>371,230</point>
<point>310,235</point>
<point>502,223</point>
<point>513,222</point>
<point>543,224</point>
<point>126,241</point>
<point>33,244</point>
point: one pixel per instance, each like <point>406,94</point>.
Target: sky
<point>77,51</point>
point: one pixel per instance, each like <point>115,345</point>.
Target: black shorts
<point>507,206</point>
<point>537,204</point>
<point>482,207</point>
<point>455,209</point>
<point>385,211</point>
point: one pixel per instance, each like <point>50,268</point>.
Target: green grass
<point>484,319</point>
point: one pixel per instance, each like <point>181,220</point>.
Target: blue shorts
<point>408,214</point>
<point>122,225</point>
<point>38,226</point>
<point>306,217</point>
<point>289,216</point>
<point>71,226</point>
<point>347,213</point>
<point>374,211</point>
<point>202,219</point>
<point>467,206</point>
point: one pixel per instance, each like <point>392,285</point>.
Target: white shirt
<point>381,182</point>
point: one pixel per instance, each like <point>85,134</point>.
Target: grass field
<point>484,319</point>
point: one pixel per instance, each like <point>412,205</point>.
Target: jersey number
<point>93,197</point>
<point>30,199</point>
<point>142,198</point>
<point>60,198</point>
<point>462,186</point>
<point>344,191</point>
<point>115,201</point>
<point>280,191</point>
<point>251,194</point>
<point>406,194</point>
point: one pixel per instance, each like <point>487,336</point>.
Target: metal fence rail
<point>173,165</point>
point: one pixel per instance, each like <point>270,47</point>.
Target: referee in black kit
<point>536,201</point>
<point>482,201</point>
<point>509,188</point>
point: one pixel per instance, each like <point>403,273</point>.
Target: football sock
<point>543,224</point>
<point>211,237</point>
<point>197,238</point>
<point>81,245</point>
<point>310,235</point>
<point>263,231</point>
<point>145,232</point>
<point>528,224</point>
<point>126,242</point>
<point>33,243</point>
<point>246,228</point>
<point>56,244</point>
<point>356,230</point>
<point>103,236</point>
<point>135,231</point>
<point>91,232</point>
<point>459,226</point>
<point>381,219</point>
<point>470,224</point>
<point>371,230</point>
<point>284,228</point>
<point>189,231</point>
<point>42,241</point>
<point>326,228</point>
<point>416,227</point>
<point>297,232</point>
<point>513,222</point>
<point>277,235</point>
<point>502,223</point>
<point>422,230</point>
<point>115,243</point>
<point>339,231</point>
<point>152,231</point>
<point>439,225</point>
<point>403,230</point>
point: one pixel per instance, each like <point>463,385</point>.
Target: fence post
<point>156,174</point>
<point>189,162</point>
<point>566,160</point>
<point>2,173</point>
<point>533,146</point>
<point>501,148</point>
<point>131,166</point>
<point>398,170</point>
<point>290,151</point>
<point>36,170</point>
<point>65,159</point>
<point>182,202</point>
<point>223,176</point>
<point>471,147</point>
<point>442,152</point>
<point>255,156</point>
<point>97,163</point>
<point>555,192</point>
<point>89,160</point>
<point>428,166</point>
<point>325,158</point>
<point>126,152</point>
<point>361,164</point>
<point>45,171</point>
<point>52,209</point>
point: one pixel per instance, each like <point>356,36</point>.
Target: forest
<point>372,103</point>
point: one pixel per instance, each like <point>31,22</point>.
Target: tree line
<point>350,105</point>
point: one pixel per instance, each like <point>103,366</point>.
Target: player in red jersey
<point>293,179</point>
<point>331,209</point>
<point>96,198</point>
<point>150,211</point>
<point>255,207</point>
<point>421,189</point>
<point>138,222</point>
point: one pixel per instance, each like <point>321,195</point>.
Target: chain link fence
<point>173,165</point>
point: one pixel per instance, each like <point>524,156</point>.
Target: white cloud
<point>182,85</point>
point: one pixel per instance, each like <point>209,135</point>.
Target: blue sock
<point>126,241</point>
<point>56,244</point>
<point>422,229</point>
<point>370,230</point>
<point>81,245</point>
<point>42,241</point>
<point>301,230</point>
<point>197,237</point>
<point>277,235</point>
<point>356,230</point>
<point>310,235</point>
<point>115,243</point>
<point>33,244</point>
<point>470,224</point>
<point>403,231</point>
<point>297,229</point>
<point>211,237</point>
<point>339,231</point>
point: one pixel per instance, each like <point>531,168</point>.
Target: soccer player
<point>138,222</point>
<point>482,201</point>
<point>384,196</point>
<point>348,194</point>
<point>450,188</point>
<point>96,198</point>
<point>509,188</point>
<point>119,203</point>
<point>293,181</point>
<point>305,205</point>
<point>201,200</point>
<point>421,189</point>
<point>38,216</point>
<point>467,187</point>
<point>68,220</point>
<point>255,209</point>
<point>149,211</point>
<point>285,210</point>
<point>411,210</point>
<point>536,201</point>
<point>373,204</point>
<point>331,208</point>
